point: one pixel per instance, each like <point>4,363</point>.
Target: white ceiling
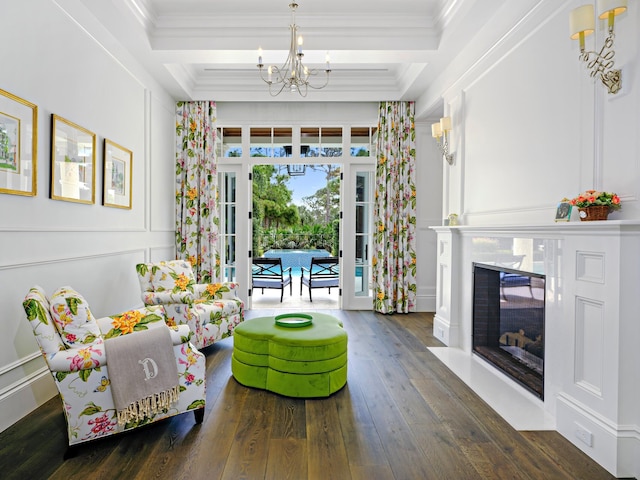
<point>207,49</point>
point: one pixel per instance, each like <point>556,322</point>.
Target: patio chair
<point>324,272</point>
<point>268,273</point>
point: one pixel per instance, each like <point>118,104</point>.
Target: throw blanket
<point>143,373</point>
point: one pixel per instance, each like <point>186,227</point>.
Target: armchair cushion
<point>73,318</point>
<point>132,321</point>
<point>173,276</point>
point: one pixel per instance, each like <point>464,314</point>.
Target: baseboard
<point>426,303</point>
<point>444,331</point>
<point>25,397</point>
<point>614,447</point>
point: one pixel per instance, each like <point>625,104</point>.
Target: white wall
<point>531,126</point>
<point>49,60</point>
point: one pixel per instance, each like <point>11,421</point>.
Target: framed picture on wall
<point>18,145</point>
<point>118,171</point>
<point>73,162</point>
<point>563,212</point>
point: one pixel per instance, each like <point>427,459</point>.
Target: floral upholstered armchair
<point>211,310</point>
<point>72,343</point>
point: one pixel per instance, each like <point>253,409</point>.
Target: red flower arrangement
<point>594,198</point>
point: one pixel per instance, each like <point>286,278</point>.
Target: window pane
<point>310,142</point>
<point>331,141</point>
<point>282,138</point>
<point>232,142</point>
<point>260,141</point>
<point>360,141</point>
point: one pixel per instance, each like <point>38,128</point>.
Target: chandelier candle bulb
<point>260,56</point>
<point>300,41</point>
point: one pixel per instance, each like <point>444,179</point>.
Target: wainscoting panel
<point>590,266</point>
<point>589,348</point>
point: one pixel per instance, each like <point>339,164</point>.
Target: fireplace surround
<point>591,330</point>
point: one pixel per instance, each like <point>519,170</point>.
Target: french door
<point>233,231</point>
<point>357,237</point>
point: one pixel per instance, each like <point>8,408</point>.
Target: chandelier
<point>292,75</point>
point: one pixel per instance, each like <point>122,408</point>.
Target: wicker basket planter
<point>596,212</point>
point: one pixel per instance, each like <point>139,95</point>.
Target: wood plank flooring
<point>402,415</point>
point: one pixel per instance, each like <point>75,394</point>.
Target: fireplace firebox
<point>508,322</point>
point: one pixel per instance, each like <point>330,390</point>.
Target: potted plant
<point>595,205</point>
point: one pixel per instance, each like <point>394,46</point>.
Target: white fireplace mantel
<point>592,325</point>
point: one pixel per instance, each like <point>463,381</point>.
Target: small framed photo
<point>73,162</point>
<point>18,145</point>
<point>563,212</point>
<point>118,170</point>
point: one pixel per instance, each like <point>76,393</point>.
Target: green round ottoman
<point>307,361</point>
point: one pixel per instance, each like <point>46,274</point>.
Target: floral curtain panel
<point>394,256</point>
<point>197,216</point>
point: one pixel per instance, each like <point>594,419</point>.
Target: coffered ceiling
<point>208,49</point>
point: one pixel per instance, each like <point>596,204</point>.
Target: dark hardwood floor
<point>402,415</point>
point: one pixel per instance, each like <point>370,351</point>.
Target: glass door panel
<point>228,183</point>
<point>363,234</point>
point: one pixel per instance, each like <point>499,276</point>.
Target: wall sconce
<point>582,24</point>
<point>440,131</point>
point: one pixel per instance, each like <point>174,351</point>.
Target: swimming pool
<point>296,258</point>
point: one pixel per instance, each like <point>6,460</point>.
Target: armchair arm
<point>216,291</point>
<point>180,334</point>
<point>94,355</point>
<point>76,359</point>
<point>166,297</point>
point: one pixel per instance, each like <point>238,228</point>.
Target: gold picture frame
<point>73,162</point>
<point>118,172</point>
<point>18,145</point>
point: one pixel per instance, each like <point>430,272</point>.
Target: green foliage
<point>278,223</point>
